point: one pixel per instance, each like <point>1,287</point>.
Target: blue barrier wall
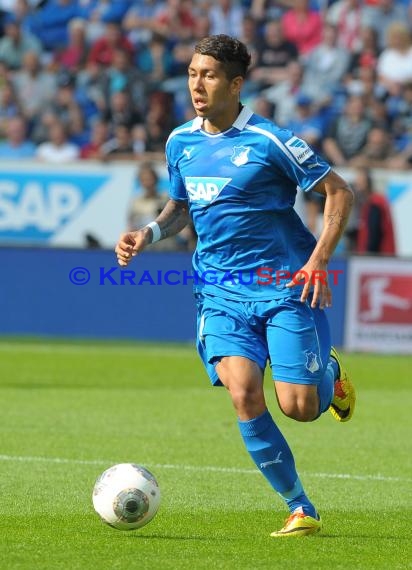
<point>37,296</point>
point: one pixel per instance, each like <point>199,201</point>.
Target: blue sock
<point>326,386</point>
<point>273,457</point>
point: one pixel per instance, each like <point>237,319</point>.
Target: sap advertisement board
<point>379,305</point>
<point>59,205</point>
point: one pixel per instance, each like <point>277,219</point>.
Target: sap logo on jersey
<point>300,150</point>
<point>203,190</point>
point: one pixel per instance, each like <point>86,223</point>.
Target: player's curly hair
<point>231,52</point>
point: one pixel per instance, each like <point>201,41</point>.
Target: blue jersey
<point>241,185</point>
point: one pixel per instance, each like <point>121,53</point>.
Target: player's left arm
<point>338,204</point>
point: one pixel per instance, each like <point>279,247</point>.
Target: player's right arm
<point>171,220</point>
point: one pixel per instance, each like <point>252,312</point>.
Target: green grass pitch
<point>70,410</point>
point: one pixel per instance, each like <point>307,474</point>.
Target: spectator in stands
<point>182,50</point>
<point>306,123</point>
<point>395,62</point>
<point>274,53</point>
<point>327,64</point>
<point>402,160</point>
<point>66,108</point>
<point>284,95</point>
<point>263,10</point>
<point>148,200</point>
<point>15,44</point>
<point>57,149</point>
<point>120,146</point>
<point>250,36</point>
<point>90,90</point>
<point>122,76</point>
<point>102,50</point>
<point>79,129</point>
<point>74,56</point>
<point>175,21</point>
<point>402,129</point>
<point>36,88</point>
<point>302,26</point>
<point>377,112</point>
<point>226,17</point>
<point>375,233</point>
<point>155,61</point>
<point>378,150</point>
<point>40,127</point>
<point>159,122</point>
<point>9,106</point>
<point>64,104</point>
<point>121,110</point>
<point>16,146</point>
<point>383,15</point>
<point>50,23</point>
<point>14,6</point>
<point>365,85</point>
<point>99,12</point>
<point>400,109</point>
<point>261,106</point>
<point>366,55</point>
<point>139,21</point>
<point>349,16</point>
<point>348,132</point>
<point>99,136</point>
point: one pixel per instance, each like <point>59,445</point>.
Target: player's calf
<point>299,402</point>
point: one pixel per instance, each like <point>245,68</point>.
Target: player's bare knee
<point>247,401</point>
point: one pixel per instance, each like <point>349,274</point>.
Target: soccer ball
<point>126,496</point>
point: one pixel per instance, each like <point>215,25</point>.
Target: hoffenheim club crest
<point>240,155</point>
<point>312,363</point>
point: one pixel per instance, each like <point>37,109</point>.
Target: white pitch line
<point>197,468</point>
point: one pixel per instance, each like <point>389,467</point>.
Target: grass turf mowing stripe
<point>199,468</point>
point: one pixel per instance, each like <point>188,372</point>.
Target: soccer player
<point>236,174</point>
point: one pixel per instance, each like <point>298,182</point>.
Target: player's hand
<point>129,245</point>
<point>313,278</point>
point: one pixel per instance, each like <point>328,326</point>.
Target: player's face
<point>214,96</point>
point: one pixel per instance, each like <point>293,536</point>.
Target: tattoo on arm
<point>337,218</point>
<point>173,218</point>
<point>340,217</point>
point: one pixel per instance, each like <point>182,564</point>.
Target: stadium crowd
<point>101,79</point>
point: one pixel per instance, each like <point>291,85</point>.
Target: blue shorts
<point>292,336</point>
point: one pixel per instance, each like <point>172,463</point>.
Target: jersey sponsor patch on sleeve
<point>300,150</point>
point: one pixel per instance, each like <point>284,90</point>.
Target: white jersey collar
<point>240,122</point>
<point>243,118</point>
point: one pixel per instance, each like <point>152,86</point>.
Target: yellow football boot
<point>298,524</point>
<point>344,397</point>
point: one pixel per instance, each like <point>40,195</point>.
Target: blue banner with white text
<point>85,294</point>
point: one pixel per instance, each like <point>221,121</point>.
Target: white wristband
<point>157,234</point>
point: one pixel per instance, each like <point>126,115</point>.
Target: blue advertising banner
<point>49,205</point>
<point>84,294</point>
<point>66,293</point>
